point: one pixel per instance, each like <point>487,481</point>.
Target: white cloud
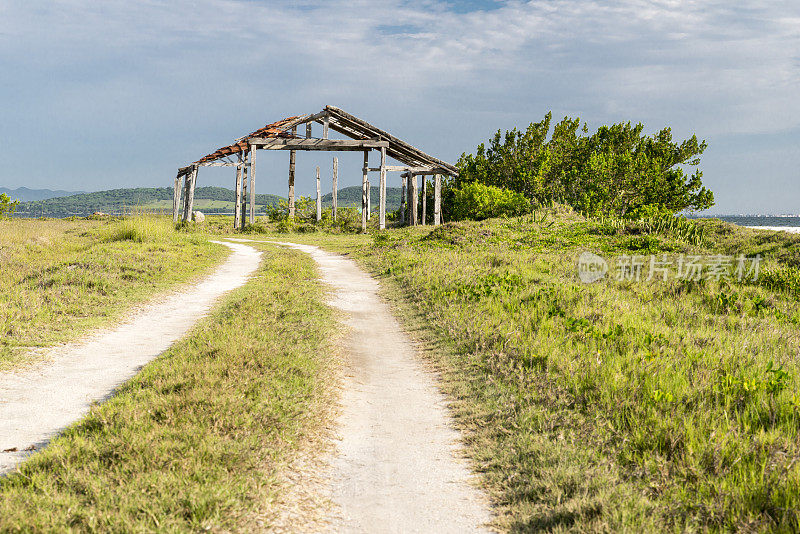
<point>652,58</point>
<point>710,66</point>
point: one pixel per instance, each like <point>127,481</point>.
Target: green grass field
<point>60,278</point>
<point>613,406</point>
<point>197,441</point>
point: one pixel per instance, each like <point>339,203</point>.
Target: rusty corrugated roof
<point>270,131</point>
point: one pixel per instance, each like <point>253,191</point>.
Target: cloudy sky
<point>98,95</point>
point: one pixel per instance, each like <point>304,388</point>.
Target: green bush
<point>478,201</point>
<point>615,171</point>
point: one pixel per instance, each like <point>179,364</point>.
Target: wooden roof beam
<point>315,144</point>
<point>360,124</point>
<point>391,150</point>
<point>303,120</point>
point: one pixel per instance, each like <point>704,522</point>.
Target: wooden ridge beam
<point>303,119</point>
<point>315,144</point>
<point>413,170</point>
<point>406,158</point>
<point>360,124</point>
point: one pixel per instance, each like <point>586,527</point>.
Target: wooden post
<point>335,185</point>
<point>382,187</point>
<point>408,199</point>
<point>403,182</point>
<point>364,184</point>
<point>369,201</point>
<point>245,171</point>
<point>414,200</point>
<point>176,199</point>
<point>308,130</point>
<point>190,201</point>
<point>424,198</point>
<point>186,184</point>
<point>437,200</point>
<point>292,159</point>
<point>237,206</point>
<point>319,199</point>
<point>252,184</point>
<point>325,125</point>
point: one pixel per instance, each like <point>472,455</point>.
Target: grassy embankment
<point>59,278</point>
<point>618,405</point>
<point>197,441</point>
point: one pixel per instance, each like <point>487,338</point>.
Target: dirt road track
<point>396,468</point>
<point>36,403</point>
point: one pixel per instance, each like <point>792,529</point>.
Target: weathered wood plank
<point>437,200</point>
<point>302,119</point>
<point>397,144</point>
<point>335,186</point>
<point>252,184</point>
<point>193,184</point>
<point>292,160</point>
<point>237,206</point>
<point>402,168</point>
<point>364,185</point>
<point>319,199</point>
<point>316,144</point>
<point>243,218</point>
<point>186,184</point>
<point>176,198</point>
<point>369,200</point>
<point>403,202</point>
<point>414,200</point>
<point>424,200</point>
<point>382,188</point>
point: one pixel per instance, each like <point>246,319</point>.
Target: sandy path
<point>396,467</point>
<point>36,403</point>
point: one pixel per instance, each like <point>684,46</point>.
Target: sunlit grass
<point>60,278</point>
<point>614,406</point>
<point>197,441</point>
<point>141,228</point>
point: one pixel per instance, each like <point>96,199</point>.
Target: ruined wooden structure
<point>283,135</point>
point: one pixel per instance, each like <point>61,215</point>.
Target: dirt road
<point>396,468</point>
<point>36,403</point>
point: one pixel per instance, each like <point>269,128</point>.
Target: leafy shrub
<point>614,171</point>
<point>304,209</point>
<point>348,220</point>
<point>645,243</point>
<point>478,201</point>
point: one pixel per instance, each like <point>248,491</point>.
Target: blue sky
<point>108,94</point>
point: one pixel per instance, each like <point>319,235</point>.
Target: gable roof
<point>341,122</point>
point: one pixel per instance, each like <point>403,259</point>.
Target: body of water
<point>763,222</point>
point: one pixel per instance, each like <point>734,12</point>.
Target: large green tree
<point>616,170</point>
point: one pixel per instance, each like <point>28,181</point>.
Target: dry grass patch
<point>59,278</point>
<point>199,439</point>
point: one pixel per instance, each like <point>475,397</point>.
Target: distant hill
<point>119,201</point>
<point>206,199</point>
<point>351,197</point>
<point>24,194</point>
